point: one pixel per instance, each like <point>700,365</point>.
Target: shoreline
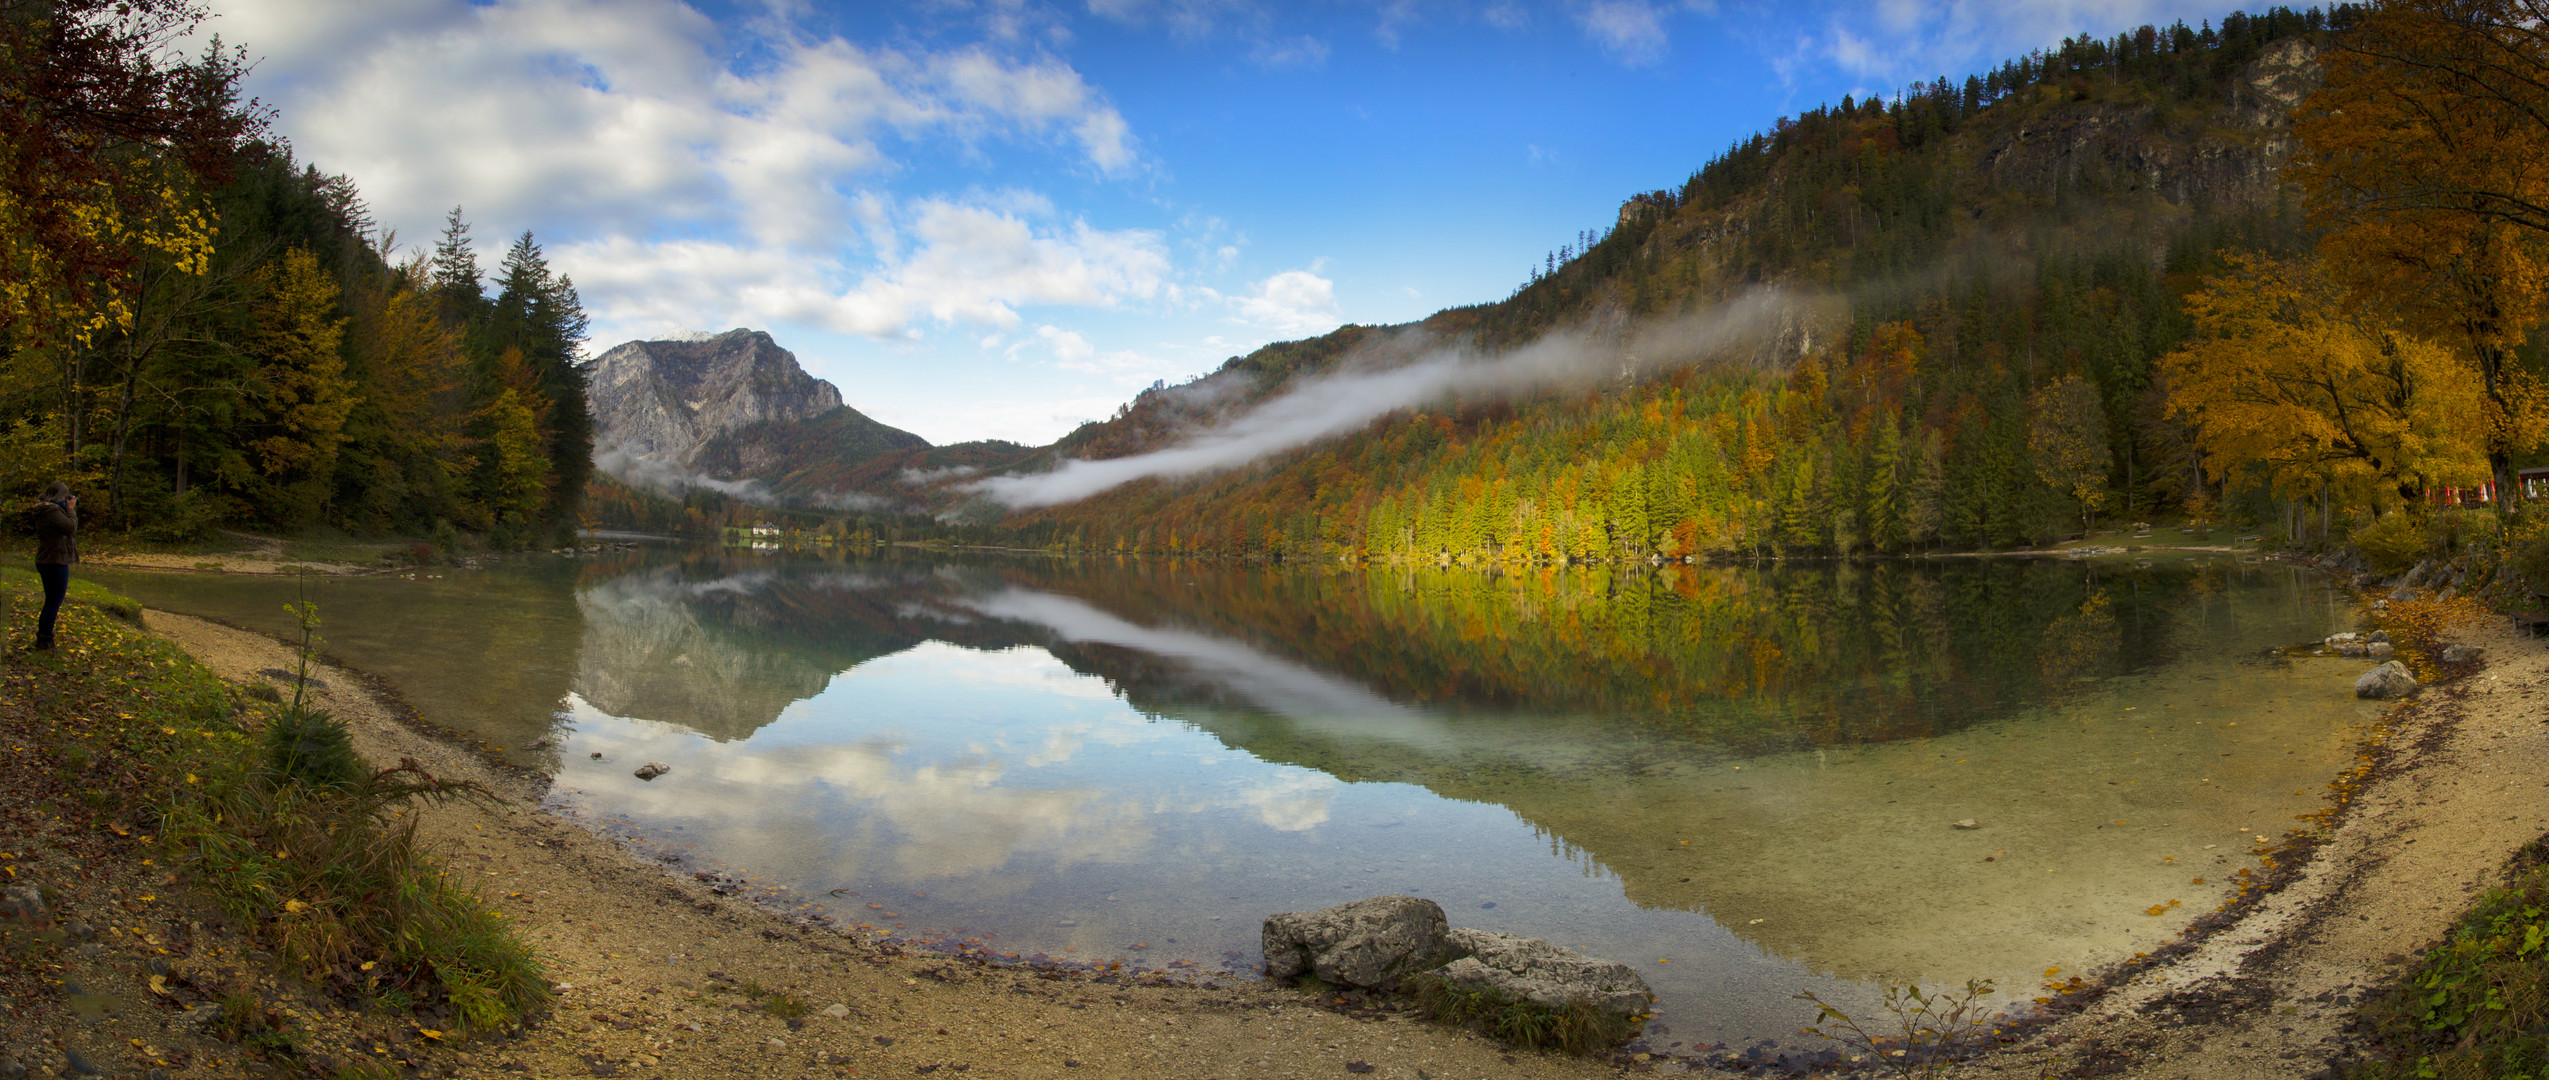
<point>2265,992</point>
<point>655,968</point>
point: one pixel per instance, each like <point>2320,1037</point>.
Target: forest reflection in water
<point>1743,781</point>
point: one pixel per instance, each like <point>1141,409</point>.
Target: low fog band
<point>1327,406</point>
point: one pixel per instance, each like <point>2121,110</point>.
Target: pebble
<point>1968,823</point>
<point>836,1011</point>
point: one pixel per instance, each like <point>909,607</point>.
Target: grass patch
<point>83,591</point>
<point>263,806</point>
<point>1579,1028</point>
<point>2478,1007</point>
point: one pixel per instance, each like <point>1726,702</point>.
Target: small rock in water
<point>597,755</point>
<point>652,769</point>
<point>2380,650</point>
<point>2390,680</point>
<point>1968,823</point>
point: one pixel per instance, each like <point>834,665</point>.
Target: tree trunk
<point>123,427</point>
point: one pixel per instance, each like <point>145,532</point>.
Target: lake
<point>1743,782</point>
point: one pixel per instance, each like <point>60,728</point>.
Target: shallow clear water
<point>1744,783</point>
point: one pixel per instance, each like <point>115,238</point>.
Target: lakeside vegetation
<point>140,752</point>
<point>199,331</point>
<point>202,332</point>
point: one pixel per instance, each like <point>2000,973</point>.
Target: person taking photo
<point>57,546</point>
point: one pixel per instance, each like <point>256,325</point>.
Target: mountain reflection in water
<point>1742,781</point>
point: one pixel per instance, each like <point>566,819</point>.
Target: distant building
<point>2532,482</point>
<point>764,529</point>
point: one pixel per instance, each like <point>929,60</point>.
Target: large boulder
<point>2390,680</point>
<point>1535,970</point>
<point>1371,942</point>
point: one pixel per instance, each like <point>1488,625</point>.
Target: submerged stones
<point>1379,941</point>
<point>2390,680</point>
<point>1538,971</point>
<point>1370,942</point>
<point>652,769</point>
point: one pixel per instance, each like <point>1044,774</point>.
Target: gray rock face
<point>2390,680</point>
<point>1541,972</point>
<point>2461,654</point>
<point>1371,942</point>
<point>663,400</point>
<point>2380,650</point>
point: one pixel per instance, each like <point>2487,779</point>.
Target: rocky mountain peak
<point>663,400</point>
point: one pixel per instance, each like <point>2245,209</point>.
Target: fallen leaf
<point>159,985</point>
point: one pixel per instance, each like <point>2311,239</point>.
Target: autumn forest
<point>2282,273</point>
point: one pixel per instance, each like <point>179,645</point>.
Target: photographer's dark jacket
<point>57,530</point>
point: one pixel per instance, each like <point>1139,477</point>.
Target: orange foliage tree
<point>2426,155</point>
<point>2286,377</point>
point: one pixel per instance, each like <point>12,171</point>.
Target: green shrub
<point>308,746</point>
<point>2478,1007</point>
<point>2455,532</point>
<point>2527,553</point>
<point>336,882</point>
<point>2393,543</point>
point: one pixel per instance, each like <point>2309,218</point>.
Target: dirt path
<point>655,967</point>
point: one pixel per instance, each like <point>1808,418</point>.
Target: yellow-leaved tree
<point>2425,154</point>
<point>2285,376</point>
<point>300,395</point>
<point>2066,435</point>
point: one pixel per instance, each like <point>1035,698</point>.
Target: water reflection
<point>1751,773</point>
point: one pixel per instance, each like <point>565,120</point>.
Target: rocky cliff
<point>664,400</point>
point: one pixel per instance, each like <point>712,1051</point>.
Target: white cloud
<point>1631,30</point>
<point>1302,52</point>
<point>1069,348</point>
<point>627,121</point>
<point>1294,302</point>
<point>951,263</point>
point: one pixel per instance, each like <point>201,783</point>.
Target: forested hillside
<point>2013,255</point>
<point>200,331</point>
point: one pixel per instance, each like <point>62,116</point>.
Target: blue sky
<point>998,218</point>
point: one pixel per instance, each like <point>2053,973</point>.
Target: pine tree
<point>456,280</point>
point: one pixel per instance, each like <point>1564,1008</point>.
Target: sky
<point>1002,218</point>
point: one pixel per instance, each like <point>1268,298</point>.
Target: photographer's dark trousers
<point>57,584</point>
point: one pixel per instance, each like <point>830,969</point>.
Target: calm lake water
<point>1742,782</point>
